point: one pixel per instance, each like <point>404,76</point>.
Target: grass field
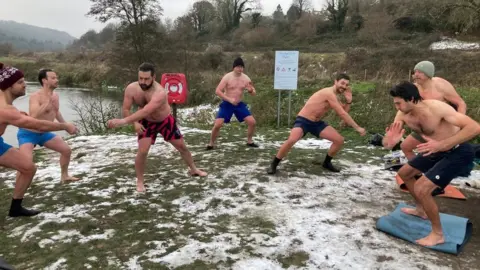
<point>236,218</point>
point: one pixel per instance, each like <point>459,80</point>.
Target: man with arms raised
<point>153,117</point>
<point>309,121</point>
<point>44,105</point>
<point>431,87</point>
<point>233,83</point>
<point>12,85</point>
<point>444,156</point>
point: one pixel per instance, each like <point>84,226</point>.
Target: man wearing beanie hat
<point>431,87</point>
<point>233,84</point>
<point>12,86</point>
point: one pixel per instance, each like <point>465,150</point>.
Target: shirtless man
<point>309,121</point>
<point>233,83</point>
<point>44,105</point>
<point>431,87</point>
<point>444,156</point>
<point>12,85</point>
<point>153,117</point>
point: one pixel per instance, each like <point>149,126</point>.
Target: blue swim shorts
<point>4,146</point>
<point>227,109</point>
<point>26,136</point>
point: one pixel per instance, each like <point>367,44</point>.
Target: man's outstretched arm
<point>15,118</point>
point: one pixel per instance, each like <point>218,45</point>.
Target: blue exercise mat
<point>4,265</point>
<point>457,230</point>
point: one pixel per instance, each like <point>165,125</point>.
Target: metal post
<point>278,108</point>
<point>289,105</point>
<point>174,106</point>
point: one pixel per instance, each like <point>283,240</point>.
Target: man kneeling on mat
<point>309,121</point>
<point>444,156</point>
<point>153,117</point>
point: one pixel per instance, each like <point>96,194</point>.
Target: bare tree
<point>231,11</point>
<point>278,14</point>
<point>94,112</point>
<point>135,15</point>
<point>202,13</point>
<point>303,5</point>
<point>337,12</point>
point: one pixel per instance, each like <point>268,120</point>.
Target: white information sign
<point>286,70</point>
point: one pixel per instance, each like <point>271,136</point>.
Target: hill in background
<point>25,37</point>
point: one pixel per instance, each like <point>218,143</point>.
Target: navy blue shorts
<point>227,110</point>
<point>309,126</point>
<point>441,168</point>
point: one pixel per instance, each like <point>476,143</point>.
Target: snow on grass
<point>253,220</point>
<point>320,216</point>
<point>451,43</point>
<point>307,143</point>
<point>57,265</point>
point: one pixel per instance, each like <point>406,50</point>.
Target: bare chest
<point>425,124</point>
<point>318,106</point>
<point>142,98</point>
<point>432,94</point>
<point>51,105</point>
<point>237,84</point>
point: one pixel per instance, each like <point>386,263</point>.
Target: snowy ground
<point>236,218</point>
<point>451,43</point>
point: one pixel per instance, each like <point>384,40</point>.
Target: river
<point>66,96</point>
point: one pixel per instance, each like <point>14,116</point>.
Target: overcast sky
<point>69,15</point>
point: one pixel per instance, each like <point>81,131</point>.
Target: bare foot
<point>69,179</point>
<point>140,187</point>
<point>432,239</point>
<point>414,212</point>
<point>198,172</point>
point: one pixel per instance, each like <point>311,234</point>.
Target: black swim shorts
<point>441,168</point>
<point>309,126</point>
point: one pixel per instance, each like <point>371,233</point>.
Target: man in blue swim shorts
<point>44,105</point>
<point>234,83</point>
<point>445,154</point>
<point>309,120</point>
<point>12,86</point>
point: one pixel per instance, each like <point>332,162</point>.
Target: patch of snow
<point>256,263</point>
<point>133,264</point>
<point>57,265</point>
<point>451,43</point>
<point>205,112</point>
<point>115,211</point>
<point>69,236</point>
<point>308,143</point>
<point>106,235</point>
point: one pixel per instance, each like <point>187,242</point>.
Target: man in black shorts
<point>153,117</point>
<point>444,156</point>
<point>309,121</point>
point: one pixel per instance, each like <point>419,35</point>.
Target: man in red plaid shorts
<point>153,117</point>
